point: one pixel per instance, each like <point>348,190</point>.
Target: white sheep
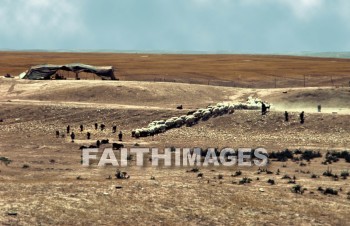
<point>216,110</point>
<point>169,123</point>
<point>206,114</point>
<point>179,122</point>
<point>190,120</point>
<point>231,108</point>
<point>202,113</point>
<point>197,114</point>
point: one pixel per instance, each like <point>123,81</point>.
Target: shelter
<point>42,72</point>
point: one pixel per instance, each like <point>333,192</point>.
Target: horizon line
<point>326,54</point>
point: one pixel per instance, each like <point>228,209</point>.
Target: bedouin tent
<point>41,72</point>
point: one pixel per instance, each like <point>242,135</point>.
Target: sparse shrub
<point>172,149</point>
<point>334,156</point>
<point>286,177</point>
<point>297,189</point>
<point>278,172</point>
<point>347,158</point>
<point>220,177</point>
<point>335,177</point>
<point>330,191</point>
<point>245,180</point>
<point>153,178</point>
<point>269,172</point>
<point>328,173</point>
<point>330,159</point>
<point>5,160</point>
<point>298,152</point>
<point>281,156</point>
<point>25,166</point>
<point>302,164</point>
<point>136,145</point>
<point>193,170</point>
<point>237,173</point>
<point>200,175</point>
<point>270,181</point>
<point>313,176</point>
<point>320,189</point>
<point>308,155</point>
<point>344,174</point>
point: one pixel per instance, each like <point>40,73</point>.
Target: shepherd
<point>263,109</point>
<point>302,117</point>
<point>72,136</point>
<point>286,116</point>
<point>120,136</point>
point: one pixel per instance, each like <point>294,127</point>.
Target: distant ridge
<point>306,53</point>
<point>323,54</point>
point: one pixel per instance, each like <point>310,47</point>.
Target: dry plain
<point>45,183</point>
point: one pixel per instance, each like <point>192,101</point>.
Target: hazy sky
<point>242,26</point>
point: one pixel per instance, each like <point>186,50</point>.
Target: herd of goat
<point>192,117</point>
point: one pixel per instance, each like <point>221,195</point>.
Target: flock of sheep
<point>193,117</point>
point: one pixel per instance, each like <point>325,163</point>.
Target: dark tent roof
<point>46,71</point>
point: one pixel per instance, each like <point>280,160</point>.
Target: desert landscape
<point>43,181</point>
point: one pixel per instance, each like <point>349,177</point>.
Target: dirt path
<point>81,104</point>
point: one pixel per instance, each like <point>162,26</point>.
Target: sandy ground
<point>40,185</point>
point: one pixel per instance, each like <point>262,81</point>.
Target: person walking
<point>302,117</point>
<point>263,109</point>
<point>120,136</point>
<point>72,136</point>
<point>286,116</point>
